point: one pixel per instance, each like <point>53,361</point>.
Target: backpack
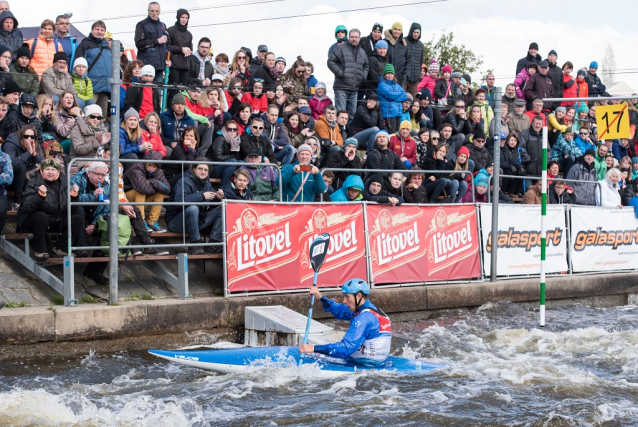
<point>35,42</point>
<point>124,234</point>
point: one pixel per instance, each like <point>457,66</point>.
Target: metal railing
<point>404,172</point>
<point>538,178</point>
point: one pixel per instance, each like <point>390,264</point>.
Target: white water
<point>580,370</point>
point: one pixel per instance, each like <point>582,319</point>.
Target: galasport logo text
<point>598,237</point>
<point>526,239</point>
<point>396,242</point>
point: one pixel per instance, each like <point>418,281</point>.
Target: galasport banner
<point>603,240</point>
<point>421,243</point>
<point>519,239</point>
<point>267,245</point>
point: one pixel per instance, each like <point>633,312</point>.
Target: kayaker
<point>367,341</point>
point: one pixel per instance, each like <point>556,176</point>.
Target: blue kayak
<point>242,359</point>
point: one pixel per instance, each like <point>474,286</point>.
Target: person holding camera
<point>301,180</point>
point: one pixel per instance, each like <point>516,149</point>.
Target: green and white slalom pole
<point>543,228</point>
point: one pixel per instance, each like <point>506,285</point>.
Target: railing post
<point>69,281</point>
<point>115,173</point>
<point>495,182</point>
<point>182,275</point>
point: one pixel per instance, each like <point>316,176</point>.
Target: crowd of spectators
<point>410,129</point>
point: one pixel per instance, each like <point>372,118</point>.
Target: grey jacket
<point>350,66</point>
<point>12,39</point>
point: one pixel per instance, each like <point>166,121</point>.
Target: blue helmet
<point>353,286</point>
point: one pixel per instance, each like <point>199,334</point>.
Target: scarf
<point>274,73</point>
<point>232,141</point>
<point>294,130</point>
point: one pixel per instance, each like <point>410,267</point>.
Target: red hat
<point>447,68</point>
<point>464,150</point>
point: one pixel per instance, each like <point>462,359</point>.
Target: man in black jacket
<point>532,141</point>
<point>540,86</point>
<point>557,195</point>
<point>532,56</point>
<point>415,59</point>
<point>381,157</point>
<point>344,159</point>
<point>457,118</point>
<point>397,51</point>
<point>368,43</point>
<point>556,74</point>
<point>151,40</point>
<point>367,122</point>
<point>254,138</point>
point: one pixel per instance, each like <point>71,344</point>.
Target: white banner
<point>604,239</point>
<point>519,239</point>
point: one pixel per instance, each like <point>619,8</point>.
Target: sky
<point>499,31</point>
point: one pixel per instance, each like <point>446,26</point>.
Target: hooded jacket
<point>180,37</point>
<point>562,147</point>
<point>533,143</point>
<point>12,39</point>
<point>608,194</point>
<point>53,204</point>
<point>341,195</point>
<point>264,183</point>
<point>377,64</point>
<point>275,133</point>
<point>318,105</point>
<point>397,55</point>
<point>144,182</point>
<point>383,196</point>
<point>149,50</point>
<point>195,64</point>
<point>391,95</point>
<point>523,62</point>
<point>539,86</point>
<point>25,78</point>
<point>480,156</point>
<point>556,74</point>
<point>99,64</point>
<point>350,66</point>
<point>189,189</point>
<point>415,55</point>
<point>584,193</point>
<point>83,87</point>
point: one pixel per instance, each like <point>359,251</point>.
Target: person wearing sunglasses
<point>44,210</point>
<point>25,114</point>
<point>226,149</point>
<point>294,81</point>
<point>254,137</point>
<point>89,134</point>
<point>25,154</point>
<point>415,59</point>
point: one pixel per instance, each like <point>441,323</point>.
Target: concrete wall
<point>93,321</point>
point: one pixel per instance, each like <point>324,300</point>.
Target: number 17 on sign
<point>612,121</point>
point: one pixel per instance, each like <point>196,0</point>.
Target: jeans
<point>225,172</point>
<point>462,189</point>
<point>285,155</point>
<point>345,100</point>
<point>566,164</point>
<point>366,138</point>
<point>435,188</point>
<point>188,220</point>
<point>82,103</point>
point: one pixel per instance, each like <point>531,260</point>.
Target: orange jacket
<point>324,131</point>
<point>43,54</point>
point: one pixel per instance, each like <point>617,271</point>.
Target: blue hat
<point>382,131</point>
<point>381,43</point>
<point>351,141</point>
<point>593,64</point>
<point>480,180</point>
<point>305,110</point>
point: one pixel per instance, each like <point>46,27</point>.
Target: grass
<point>88,299</point>
<point>136,297</point>
<point>11,304</point>
<point>57,299</point>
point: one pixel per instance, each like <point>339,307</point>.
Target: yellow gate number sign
<point>612,121</point>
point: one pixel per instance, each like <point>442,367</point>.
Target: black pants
<point>4,207</point>
<point>142,233</point>
<point>434,189</point>
<point>176,77</point>
<point>392,124</point>
<point>37,223</point>
<point>19,182</point>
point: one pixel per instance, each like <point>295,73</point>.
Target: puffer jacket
<point>481,157</point>
<point>86,194</point>
<point>610,196</point>
<point>523,62</point>
<point>584,193</point>
<point>377,65</point>
<point>520,82</point>
<point>365,118</point>
<point>415,55</point>
<point>556,74</point>
<point>100,73</point>
<point>391,95</point>
<point>459,125</point>
<point>562,148</point>
<point>403,148</point>
<point>127,146</point>
<point>442,89</point>
<point>143,181</point>
<point>264,183</point>
<point>53,204</point>
<point>12,39</point>
<point>569,89</point>
<point>84,140</point>
<point>180,37</point>
<point>64,122</point>
<point>43,53</point>
<point>379,158</point>
<point>55,82</point>
<point>25,78</point>
<point>84,87</point>
<point>539,86</point>
<point>397,54</point>
<point>350,66</point>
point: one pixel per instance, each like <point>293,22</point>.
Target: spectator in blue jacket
<point>352,190</point>
<point>95,49</point>
<point>620,148</point>
<point>174,121</point>
<point>634,200</point>
<point>64,37</point>
<point>301,180</point>
<point>584,141</point>
<point>391,96</point>
<point>131,145</point>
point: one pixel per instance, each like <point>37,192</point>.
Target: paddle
<point>317,254</point>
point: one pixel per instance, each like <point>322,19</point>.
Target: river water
<point>580,370</point>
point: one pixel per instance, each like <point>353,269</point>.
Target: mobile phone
<point>305,168</point>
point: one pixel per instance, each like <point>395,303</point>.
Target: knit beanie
<point>434,66</point>
<point>581,73</point>
<point>583,108</point>
<point>457,74</point>
<point>591,152</point>
<point>593,64</point>
<point>131,112</point>
<point>561,110</point>
<point>464,150</point>
<point>408,97</point>
<point>425,94</point>
<point>552,52</point>
<point>447,69</point>
<point>634,160</point>
<point>92,109</point>
<point>179,99</point>
<point>479,134</point>
<point>381,44</point>
<point>480,179</point>
<point>80,61</point>
<point>405,125</point>
<point>380,132</point>
<point>60,56</point>
<point>388,69</point>
<point>11,87</point>
<point>533,45</point>
<point>377,27</point>
<point>467,78</point>
<point>304,147</point>
<point>398,26</point>
<point>569,130</point>
<point>148,70</point>
<point>351,141</point>
<point>23,51</point>
<point>377,177</point>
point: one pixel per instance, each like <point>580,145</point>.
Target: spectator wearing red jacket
<point>256,99</point>
<point>403,145</point>
<point>152,133</point>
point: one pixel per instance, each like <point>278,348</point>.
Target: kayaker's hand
<point>306,348</point>
<point>315,291</point>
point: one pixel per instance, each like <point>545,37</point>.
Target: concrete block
<point>95,321</point>
<point>26,325</point>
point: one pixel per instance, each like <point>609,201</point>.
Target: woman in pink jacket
<point>523,77</point>
<point>319,101</point>
<point>429,81</point>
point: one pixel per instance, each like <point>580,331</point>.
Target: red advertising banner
<point>347,249</point>
<point>421,244</point>
<point>267,245</point>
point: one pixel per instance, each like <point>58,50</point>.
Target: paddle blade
<point>318,250</point>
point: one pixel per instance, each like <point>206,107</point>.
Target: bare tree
<point>609,67</point>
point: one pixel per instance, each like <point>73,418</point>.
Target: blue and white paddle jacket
<point>367,341</point>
